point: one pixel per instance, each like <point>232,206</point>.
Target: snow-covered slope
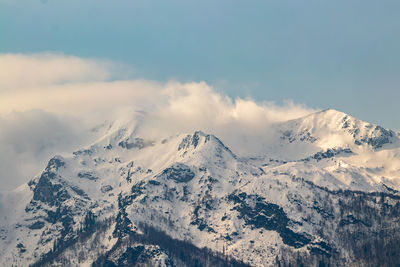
<point>306,193</point>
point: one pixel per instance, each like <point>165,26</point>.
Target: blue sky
<point>337,54</point>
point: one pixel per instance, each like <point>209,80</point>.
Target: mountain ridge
<point>124,188</point>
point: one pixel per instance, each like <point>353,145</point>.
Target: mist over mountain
<point>318,189</point>
<point>100,171</point>
<point>64,99</point>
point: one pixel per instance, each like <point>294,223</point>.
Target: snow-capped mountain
<point>321,190</point>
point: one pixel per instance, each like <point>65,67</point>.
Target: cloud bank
<point>49,103</point>
<point>43,69</point>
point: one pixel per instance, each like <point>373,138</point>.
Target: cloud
<point>80,98</point>
<point>28,139</point>
<point>30,70</point>
<point>192,106</point>
<point>49,102</point>
<point>241,123</point>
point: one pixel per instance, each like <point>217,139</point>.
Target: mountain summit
<point>323,191</point>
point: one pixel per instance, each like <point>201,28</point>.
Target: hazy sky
<point>342,54</point>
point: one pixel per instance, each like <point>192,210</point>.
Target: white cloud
<point>192,106</point>
<point>21,71</point>
<point>28,139</point>
<point>241,123</point>
<point>66,87</point>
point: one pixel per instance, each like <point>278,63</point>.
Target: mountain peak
<point>197,138</point>
<point>328,115</point>
<point>332,128</point>
<point>194,188</point>
<point>207,143</point>
<point>330,110</point>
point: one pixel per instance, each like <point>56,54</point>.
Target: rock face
<point>373,135</point>
<point>324,192</point>
<point>268,216</point>
<point>179,172</point>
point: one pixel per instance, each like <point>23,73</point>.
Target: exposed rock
<point>36,225</point>
<point>178,172</point>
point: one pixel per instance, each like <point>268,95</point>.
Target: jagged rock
<point>268,216</point>
<point>36,225</point>
<point>178,172</point>
<point>49,192</point>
